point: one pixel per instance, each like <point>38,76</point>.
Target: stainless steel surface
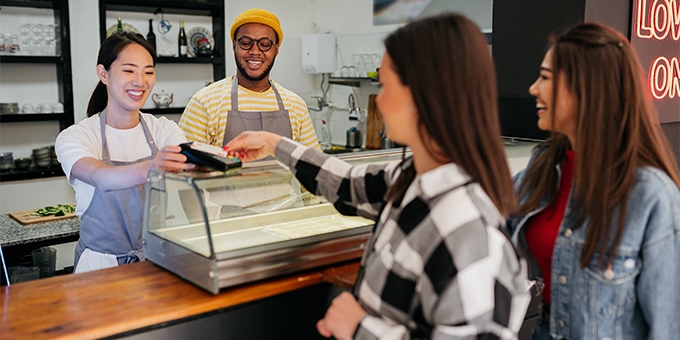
<point>354,139</point>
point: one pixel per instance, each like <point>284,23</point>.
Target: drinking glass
<point>45,258</point>
<point>39,46</point>
<point>37,30</point>
<point>376,60</point>
<point>50,47</point>
<point>14,44</point>
<point>353,73</point>
<point>48,32</point>
<point>360,64</point>
<point>344,72</point>
<point>25,29</point>
<point>28,46</point>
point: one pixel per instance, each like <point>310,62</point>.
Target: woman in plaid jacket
<point>439,264</point>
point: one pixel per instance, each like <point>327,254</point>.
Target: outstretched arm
<point>253,145</point>
<point>107,178</point>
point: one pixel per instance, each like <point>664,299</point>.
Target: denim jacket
<point>638,297</point>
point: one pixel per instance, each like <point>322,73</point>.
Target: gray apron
<point>112,223</point>
<point>238,121</point>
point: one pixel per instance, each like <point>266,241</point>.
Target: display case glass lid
<point>260,207</point>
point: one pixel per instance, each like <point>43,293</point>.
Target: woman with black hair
<point>106,157</point>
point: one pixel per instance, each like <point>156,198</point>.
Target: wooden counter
<point>117,300</point>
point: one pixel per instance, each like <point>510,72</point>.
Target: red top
<point>543,227</point>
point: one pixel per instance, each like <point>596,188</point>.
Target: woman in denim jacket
<point>599,212</point>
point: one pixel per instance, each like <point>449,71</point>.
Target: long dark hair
<point>108,53</point>
<point>446,62</point>
<point>617,132</point>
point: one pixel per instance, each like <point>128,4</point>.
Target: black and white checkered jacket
<point>438,265</point>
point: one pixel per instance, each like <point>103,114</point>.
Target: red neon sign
<point>663,19</point>
<point>664,78</point>
<point>660,20</point>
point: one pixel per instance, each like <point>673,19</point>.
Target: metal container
<point>354,139</point>
<point>387,144</point>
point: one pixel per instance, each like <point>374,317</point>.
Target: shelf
<point>32,4</point>
<point>31,173</point>
<point>30,59</point>
<point>189,60</point>
<point>355,82</point>
<point>166,111</point>
<point>31,117</point>
<point>186,7</point>
<point>64,82</point>
<point>209,8</point>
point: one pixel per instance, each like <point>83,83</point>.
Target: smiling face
<point>396,105</point>
<point>254,65</point>
<point>554,115</point>
<point>129,80</point>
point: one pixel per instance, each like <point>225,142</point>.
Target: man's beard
<point>245,74</point>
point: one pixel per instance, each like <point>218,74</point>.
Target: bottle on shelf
<point>325,142</point>
<point>151,37</point>
<point>120,24</point>
<point>182,40</point>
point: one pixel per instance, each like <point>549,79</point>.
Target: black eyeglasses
<point>264,44</point>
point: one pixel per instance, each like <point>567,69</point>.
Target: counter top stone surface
<point>13,233</point>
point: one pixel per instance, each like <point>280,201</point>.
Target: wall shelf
<point>189,60</point>
<point>31,4</point>
<point>63,62</point>
<point>31,173</point>
<point>209,8</point>
<point>64,81</point>
<point>29,59</point>
<point>32,117</point>
<point>165,111</point>
<point>354,82</point>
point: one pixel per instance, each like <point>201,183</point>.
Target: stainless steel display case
<point>222,229</point>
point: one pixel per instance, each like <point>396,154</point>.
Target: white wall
<point>349,20</point>
<point>352,23</point>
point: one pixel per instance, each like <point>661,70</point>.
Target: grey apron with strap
<point>238,121</point>
<point>112,223</point>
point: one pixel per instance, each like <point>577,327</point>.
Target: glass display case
<point>220,229</point>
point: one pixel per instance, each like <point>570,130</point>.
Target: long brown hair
<point>447,63</point>
<point>617,132</point>
<point>108,53</point>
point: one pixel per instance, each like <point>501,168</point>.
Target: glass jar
<point>14,44</point>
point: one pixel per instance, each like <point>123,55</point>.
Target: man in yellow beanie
<point>249,100</point>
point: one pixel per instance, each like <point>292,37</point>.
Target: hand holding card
<point>209,156</point>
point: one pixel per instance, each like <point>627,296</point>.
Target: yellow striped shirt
<point>205,117</point>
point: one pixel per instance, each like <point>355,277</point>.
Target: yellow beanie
<point>257,16</point>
